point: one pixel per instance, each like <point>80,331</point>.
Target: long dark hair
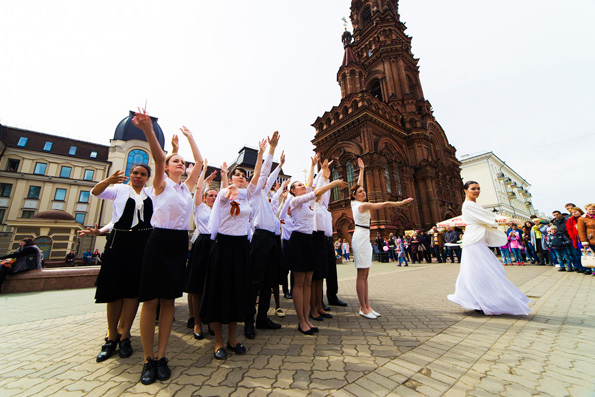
<point>354,190</point>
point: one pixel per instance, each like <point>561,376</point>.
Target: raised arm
<point>144,123</point>
<point>273,176</point>
<point>262,145</point>
<point>201,179</point>
<point>310,180</point>
<point>175,144</point>
<point>387,204</point>
<point>116,177</point>
<point>192,178</point>
<point>224,180</point>
<point>360,178</point>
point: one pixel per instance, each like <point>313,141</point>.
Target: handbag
<point>8,262</point>
<point>588,258</point>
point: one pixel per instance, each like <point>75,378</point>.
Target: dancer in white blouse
<point>198,261</point>
<point>119,277</point>
<point>164,262</point>
<point>300,252</point>
<point>482,284</point>
<point>360,242</point>
<point>228,278</point>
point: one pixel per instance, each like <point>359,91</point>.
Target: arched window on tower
<point>387,183</point>
<point>366,16</point>
<point>398,189</point>
<point>376,89</point>
<point>336,193</point>
<point>350,174</point>
<point>411,85</point>
<point>136,156</point>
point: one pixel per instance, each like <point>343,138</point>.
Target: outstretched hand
<point>341,184</point>
<point>232,192</point>
<point>406,201</point>
<point>90,232</point>
<point>175,143</point>
<point>211,177</point>
<point>315,159</point>
<point>142,120</point>
<point>360,163</point>
<point>187,133</point>
<point>224,168</point>
<point>285,184</point>
<point>117,177</point>
<point>274,140</point>
<point>282,159</point>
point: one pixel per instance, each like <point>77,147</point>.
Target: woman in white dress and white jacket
<point>482,284</point>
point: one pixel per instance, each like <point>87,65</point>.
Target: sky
<point>512,77</point>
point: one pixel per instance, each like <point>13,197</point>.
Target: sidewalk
<point>422,345</point>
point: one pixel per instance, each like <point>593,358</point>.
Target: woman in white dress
<point>482,284</point>
<point>360,242</point>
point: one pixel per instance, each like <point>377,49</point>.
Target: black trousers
<point>332,283</point>
<point>262,273</point>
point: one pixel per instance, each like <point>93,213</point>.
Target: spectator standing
<point>586,229</point>
<point>559,243</point>
<point>427,246</point>
<point>438,244</point>
<point>575,249</point>
<point>515,243</point>
<point>451,237</point>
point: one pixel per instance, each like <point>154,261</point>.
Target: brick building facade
<point>384,118</point>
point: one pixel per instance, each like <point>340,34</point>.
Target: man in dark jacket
<point>560,222</point>
<point>560,243</point>
<point>438,244</point>
<point>451,237</point>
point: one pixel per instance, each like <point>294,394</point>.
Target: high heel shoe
<point>308,332</point>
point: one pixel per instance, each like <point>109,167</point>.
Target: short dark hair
<point>556,211</point>
<point>145,166</point>
<point>567,204</point>
<point>28,241</point>
<point>469,183</point>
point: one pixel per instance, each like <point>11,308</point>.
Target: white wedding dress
<point>482,283</point>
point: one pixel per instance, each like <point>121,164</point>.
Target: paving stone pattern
<point>422,345</point>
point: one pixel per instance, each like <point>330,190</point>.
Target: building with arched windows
<point>384,119</point>
<point>46,180</point>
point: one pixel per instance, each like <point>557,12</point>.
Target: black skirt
<point>227,280</point>
<point>319,241</point>
<point>196,271</point>
<point>121,264</point>
<point>299,254</point>
<point>164,265</point>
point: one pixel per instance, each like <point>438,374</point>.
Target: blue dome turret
<point>126,131</point>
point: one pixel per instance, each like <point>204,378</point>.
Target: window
<point>65,172</point>
<point>5,189</point>
<point>22,141</point>
<point>12,165</point>
<point>398,181</point>
<point>366,16</point>
<point>80,218</point>
<point>27,214</point>
<point>84,197</point>
<point>135,157</point>
<point>34,192</point>
<point>88,175</point>
<point>40,168</point>
<point>93,155</point>
<point>72,150</point>
<point>336,192</point>
<point>376,89</point>
<point>350,174</point>
<point>60,195</point>
<point>2,212</point>
<point>48,146</point>
<point>387,178</point>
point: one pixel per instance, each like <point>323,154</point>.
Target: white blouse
<point>119,194</point>
<point>302,212</point>
<point>172,209</point>
<point>481,226</point>
<point>226,219</point>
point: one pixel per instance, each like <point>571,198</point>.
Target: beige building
<point>46,180</point>
<point>502,189</point>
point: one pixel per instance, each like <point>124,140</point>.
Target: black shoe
<point>148,375</point>
<point>163,371</point>
<point>561,269</point>
<point>190,323</point>
<point>267,323</point>
<point>107,349</point>
<point>325,307</point>
<point>326,315</point>
<point>249,332</point>
<point>221,354</point>
<point>308,332</point>
<point>125,348</point>
<point>199,336</point>
<point>570,270</point>
<point>314,329</point>
<point>211,332</point>
<point>238,349</point>
<point>319,318</point>
<point>336,302</point>
<point>288,296</point>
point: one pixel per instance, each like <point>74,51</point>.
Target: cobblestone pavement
<point>422,345</point>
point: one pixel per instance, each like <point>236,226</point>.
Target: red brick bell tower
<point>384,118</point>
